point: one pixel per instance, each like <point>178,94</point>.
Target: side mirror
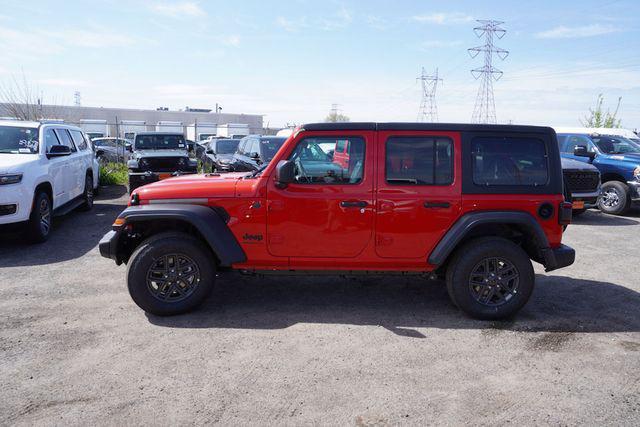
<point>285,173</point>
<point>209,151</point>
<point>129,147</point>
<point>58,151</point>
<point>99,153</point>
<point>581,151</point>
<point>254,155</point>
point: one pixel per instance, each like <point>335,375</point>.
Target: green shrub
<point>114,174</point>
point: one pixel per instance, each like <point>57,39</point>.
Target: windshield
<point>18,140</point>
<point>160,142</point>
<point>226,146</point>
<point>270,147</point>
<point>615,145</point>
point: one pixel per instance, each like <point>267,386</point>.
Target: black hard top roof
<point>459,127</point>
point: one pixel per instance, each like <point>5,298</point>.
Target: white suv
<point>46,169</point>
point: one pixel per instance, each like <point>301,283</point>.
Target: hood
<point>577,165</point>
<point>224,158</point>
<point>192,187</point>
<point>626,157</point>
<point>160,153</point>
<point>15,162</point>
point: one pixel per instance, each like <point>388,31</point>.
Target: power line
<point>428,111</point>
<point>485,108</point>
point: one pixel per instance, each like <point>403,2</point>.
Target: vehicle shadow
<point>73,234</point>
<point>594,217</point>
<point>402,304</point>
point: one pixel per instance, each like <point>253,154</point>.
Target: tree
<point>598,118</point>
<point>20,100</point>
<point>335,117</point>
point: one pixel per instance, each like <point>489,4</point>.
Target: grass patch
<point>114,174</point>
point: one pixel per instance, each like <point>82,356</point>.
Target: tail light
<point>564,213</point>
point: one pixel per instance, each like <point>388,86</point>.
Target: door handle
<point>435,205</point>
<point>353,204</point>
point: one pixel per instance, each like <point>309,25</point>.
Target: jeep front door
<point>328,211</point>
<point>419,192</point>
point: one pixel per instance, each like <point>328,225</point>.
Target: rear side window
<point>65,139</point>
<point>509,161</point>
<point>78,139</point>
<point>419,161</point>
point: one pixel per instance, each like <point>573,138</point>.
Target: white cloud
<point>431,44</point>
<point>63,82</point>
<point>562,32</point>
<point>341,19</point>
<point>291,25</point>
<point>442,18</point>
<point>186,9</point>
<point>377,23</point>
<point>92,38</point>
<point>232,40</point>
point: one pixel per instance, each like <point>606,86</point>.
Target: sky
<point>290,60</point>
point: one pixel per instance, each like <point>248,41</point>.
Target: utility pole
<point>485,108</point>
<point>428,109</point>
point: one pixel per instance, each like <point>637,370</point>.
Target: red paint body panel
<point>304,227</point>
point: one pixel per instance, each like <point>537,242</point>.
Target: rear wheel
<point>615,198</point>
<point>490,278</point>
<point>88,194</point>
<point>41,218</point>
<point>170,273</point>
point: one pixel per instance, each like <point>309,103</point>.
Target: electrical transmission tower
<point>428,109</point>
<point>485,108</point>
<point>76,97</point>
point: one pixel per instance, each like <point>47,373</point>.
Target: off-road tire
<point>621,192</point>
<point>465,261</point>
<point>155,248</point>
<point>88,194</point>
<point>38,227</point>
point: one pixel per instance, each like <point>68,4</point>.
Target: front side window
<point>571,141</point>
<point>18,140</point>
<point>315,162</point>
<point>509,161</point>
<point>50,139</point>
<point>419,160</point>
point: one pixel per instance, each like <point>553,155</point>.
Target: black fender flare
<point>211,225</point>
<point>465,225</point>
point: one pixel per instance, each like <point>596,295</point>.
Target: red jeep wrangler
<point>472,203</point>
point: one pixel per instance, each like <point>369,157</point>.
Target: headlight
<point>636,173</point>
<point>13,178</point>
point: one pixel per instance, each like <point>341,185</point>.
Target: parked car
<point>158,155</point>
<point>254,151</point>
<point>46,170</point>
<point>617,159</point>
<point>583,183</point>
<point>112,149</point>
<point>473,203</point>
<point>219,154</point>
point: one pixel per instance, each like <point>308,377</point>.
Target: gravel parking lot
<point>74,349</point>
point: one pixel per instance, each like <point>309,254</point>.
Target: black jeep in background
<point>254,151</point>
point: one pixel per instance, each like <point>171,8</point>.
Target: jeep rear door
<point>328,212</point>
<point>419,191</point>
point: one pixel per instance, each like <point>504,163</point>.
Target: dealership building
<point>196,124</point>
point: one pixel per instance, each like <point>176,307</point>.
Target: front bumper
<point>559,257</point>
<point>634,190</point>
<point>109,244</point>
<point>590,199</point>
<point>15,203</point>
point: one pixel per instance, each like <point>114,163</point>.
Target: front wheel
<point>490,278</point>
<point>87,196</point>
<point>170,273</point>
<point>41,218</point>
<point>615,198</point>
